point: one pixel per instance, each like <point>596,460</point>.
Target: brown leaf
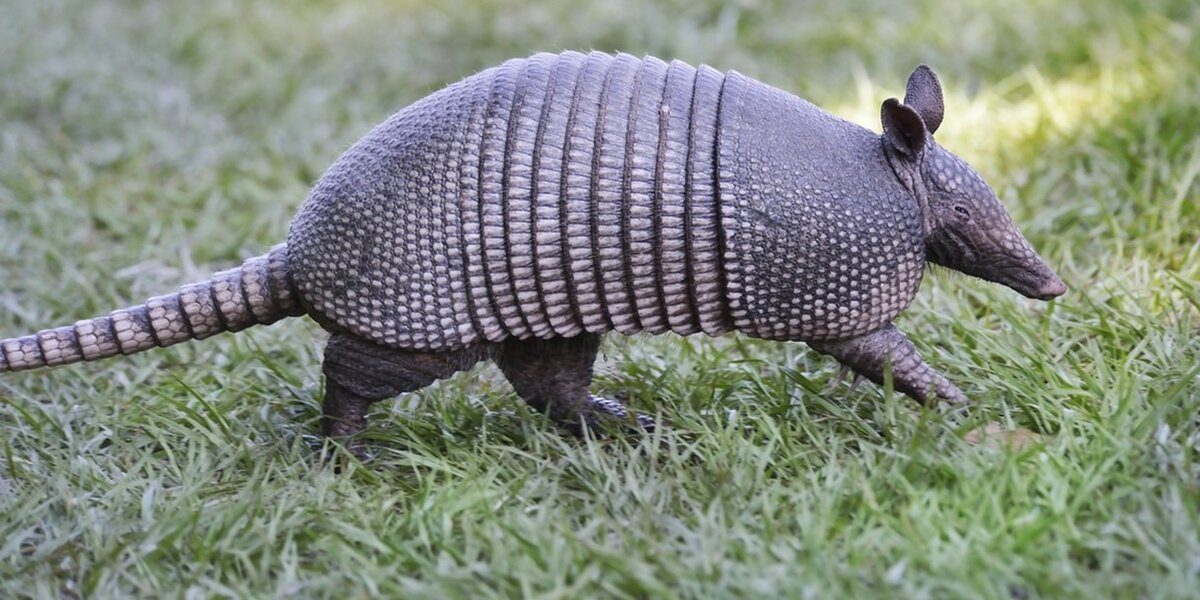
<point>994,435</point>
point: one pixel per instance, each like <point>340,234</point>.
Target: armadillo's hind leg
<point>553,376</point>
<point>870,355</point>
<point>359,372</point>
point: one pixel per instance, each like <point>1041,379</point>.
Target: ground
<point>147,144</point>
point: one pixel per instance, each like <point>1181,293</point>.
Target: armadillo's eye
<point>962,211</point>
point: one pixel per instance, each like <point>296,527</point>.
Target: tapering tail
<point>258,292</point>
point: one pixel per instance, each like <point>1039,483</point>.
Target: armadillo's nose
<point>1052,288</point>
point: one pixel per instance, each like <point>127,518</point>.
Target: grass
<point>144,144</point>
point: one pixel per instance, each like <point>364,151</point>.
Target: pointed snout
<point>1022,269</point>
<point>1030,276</point>
<point>999,254</point>
<point>1050,289</point>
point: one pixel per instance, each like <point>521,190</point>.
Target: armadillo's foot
<point>553,375</point>
<point>872,354</point>
<point>344,417</point>
<point>358,373</point>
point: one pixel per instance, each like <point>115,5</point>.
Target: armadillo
<point>522,213</point>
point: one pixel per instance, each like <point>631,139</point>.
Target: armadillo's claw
<point>857,379</point>
<point>336,453</point>
<point>359,450</point>
<point>844,373</point>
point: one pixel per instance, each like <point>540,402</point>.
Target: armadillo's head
<point>966,228</point>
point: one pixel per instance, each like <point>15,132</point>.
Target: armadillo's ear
<point>924,94</point>
<point>902,128</point>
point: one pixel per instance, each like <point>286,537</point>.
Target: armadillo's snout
<point>1033,278</point>
<point>1017,265</point>
<point>1052,288</point>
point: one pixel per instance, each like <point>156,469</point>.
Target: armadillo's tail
<point>258,292</point>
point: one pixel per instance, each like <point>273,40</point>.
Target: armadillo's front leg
<point>869,355</point>
<point>358,372</point>
<point>552,375</point>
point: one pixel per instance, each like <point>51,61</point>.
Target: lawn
<point>147,144</point>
